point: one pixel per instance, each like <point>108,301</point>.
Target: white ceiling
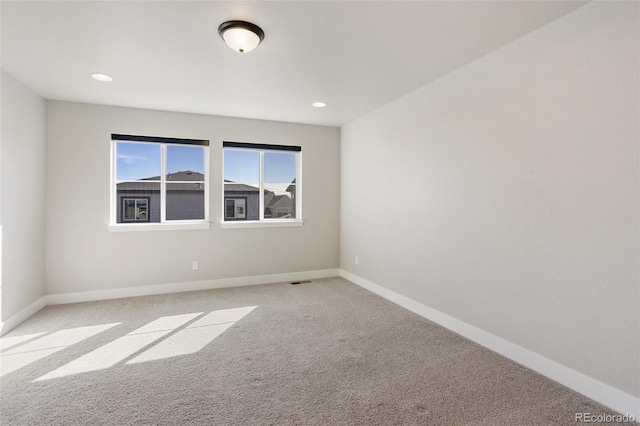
<point>355,56</point>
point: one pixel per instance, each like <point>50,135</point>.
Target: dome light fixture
<point>241,36</point>
<point>318,104</point>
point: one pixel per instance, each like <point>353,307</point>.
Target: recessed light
<point>101,77</point>
<point>319,104</point>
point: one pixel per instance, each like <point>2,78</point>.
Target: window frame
<point>164,224</point>
<point>262,222</point>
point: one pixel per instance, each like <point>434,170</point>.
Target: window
<point>135,209</point>
<point>159,180</point>
<point>262,183</point>
<point>235,208</point>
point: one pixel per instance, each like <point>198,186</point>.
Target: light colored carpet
<point>325,352</point>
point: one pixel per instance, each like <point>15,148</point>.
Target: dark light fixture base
<point>241,24</point>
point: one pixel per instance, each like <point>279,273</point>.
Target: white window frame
<point>262,222</point>
<point>164,224</point>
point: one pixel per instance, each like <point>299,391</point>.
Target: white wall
<point>505,194</point>
<point>22,204</point>
<point>82,255</point>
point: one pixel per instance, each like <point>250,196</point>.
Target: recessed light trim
<point>102,77</point>
<point>318,104</point>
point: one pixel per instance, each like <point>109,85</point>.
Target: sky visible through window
<point>244,167</point>
<point>142,160</point>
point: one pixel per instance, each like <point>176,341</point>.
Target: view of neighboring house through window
<point>261,182</point>
<point>159,180</point>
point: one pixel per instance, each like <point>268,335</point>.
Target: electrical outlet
<point>357,261</point>
<point>194,265</point>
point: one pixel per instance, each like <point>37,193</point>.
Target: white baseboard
<point>600,392</point>
<point>22,315</point>
<point>119,293</point>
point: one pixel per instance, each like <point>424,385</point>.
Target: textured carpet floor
<point>321,353</point>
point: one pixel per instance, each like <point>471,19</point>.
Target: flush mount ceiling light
<point>241,36</point>
<point>101,77</point>
<point>319,104</point>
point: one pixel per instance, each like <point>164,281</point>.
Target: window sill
<point>260,224</point>
<point>181,226</point>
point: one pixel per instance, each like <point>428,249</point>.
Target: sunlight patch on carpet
<point>113,352</point>
<point>49,344</point>
<point>150,342</point>
<point>7,342</point>
<point>195,336</point>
